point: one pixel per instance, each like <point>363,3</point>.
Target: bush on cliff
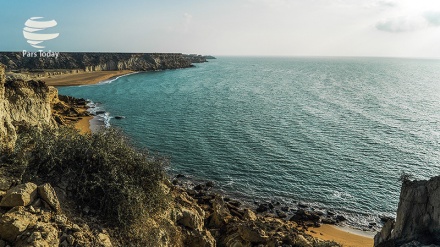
<point>102,171</point>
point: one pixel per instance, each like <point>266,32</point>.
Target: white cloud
<point>433,18</point>
<point>387,3</point>
<point>409,23</point>
<point>402,24</point>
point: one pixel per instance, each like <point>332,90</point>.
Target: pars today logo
<point>35,33</point>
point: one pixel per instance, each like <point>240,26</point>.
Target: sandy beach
<point>83,125</point>
<point>85,78</point>
<point>346,236</point>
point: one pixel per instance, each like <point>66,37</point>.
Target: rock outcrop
<point>33,103</point>
<point>29,219</point>
<point>418,215</point>
<point>7,130</point>
<point>88,61</point>
<point>21,102</point>
<point>231,224</point>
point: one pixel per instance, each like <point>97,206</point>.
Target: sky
<point>379,28</point>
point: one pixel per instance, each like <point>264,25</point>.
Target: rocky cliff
<point>88,61</point>
<point>24,103</point>
<point>7,130</point>
<point>418,216</point>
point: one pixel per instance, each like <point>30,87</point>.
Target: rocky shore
<point>32,215</point>
<point>38,211</point>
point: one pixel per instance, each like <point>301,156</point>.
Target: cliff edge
<point>418,216</point>
<point>93,61</point>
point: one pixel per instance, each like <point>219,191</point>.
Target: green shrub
<point>103,171</point>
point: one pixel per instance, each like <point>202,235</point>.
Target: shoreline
<point>342,234</point>
<point>89,124</point>
<point>83,78</point>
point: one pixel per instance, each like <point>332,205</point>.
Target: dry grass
<point>103,171</point>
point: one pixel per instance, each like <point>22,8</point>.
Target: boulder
<point>200,239</point>
<point>104,240</point>
<point>302,241</point>
<point>48,194</point>
<point>252,233</point>
<point>191,219</point>
<point>41,234</point>
<point>220,215</point>
<point>249,215</point>
<point>262,208</point>
<point>14,223</point>
<point>20,195</point>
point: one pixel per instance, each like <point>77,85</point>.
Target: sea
<point>331,132</point>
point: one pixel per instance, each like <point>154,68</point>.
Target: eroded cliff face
<point>23,103</point>
<point>7,130</point>
<point>418,215</point>
<point>96,61</point>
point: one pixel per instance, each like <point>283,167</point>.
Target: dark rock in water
<point>340,218</point>
<point>180,176</point>
<point>209,184</point>
<point>281,214</point>
<point>328,221</point>
<point>262,208</point>
<point>302,205</point>
<point>119,117</point>
<point>319,212</point>
<point>100,112</point>
<point>271,206</point>
<point>303,215</point>
<point>384,218</point>
<point>372,224</point>
<point>200,187</point>
<point>285,209</point>
<point>331,213</point>
<point>191,192</point>
<point>235,203</point>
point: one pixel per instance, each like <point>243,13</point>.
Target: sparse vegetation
<point>102,171</point>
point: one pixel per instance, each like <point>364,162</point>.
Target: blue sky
<point>395,28</point>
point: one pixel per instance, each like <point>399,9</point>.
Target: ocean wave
<point>99,113</point>
<point>108,81</point>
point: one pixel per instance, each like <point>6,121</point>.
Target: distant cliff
<point>15,61</point>
<point>194,58</point>
<point>418,216</point>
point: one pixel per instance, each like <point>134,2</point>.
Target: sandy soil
<point>345,236</point>
<point>83,78</point>
<point>83,125</point>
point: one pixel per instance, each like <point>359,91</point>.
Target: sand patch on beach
<point>85,78</point>
<point>347,238</point>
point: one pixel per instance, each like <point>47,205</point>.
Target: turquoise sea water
<point>333,132</point>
